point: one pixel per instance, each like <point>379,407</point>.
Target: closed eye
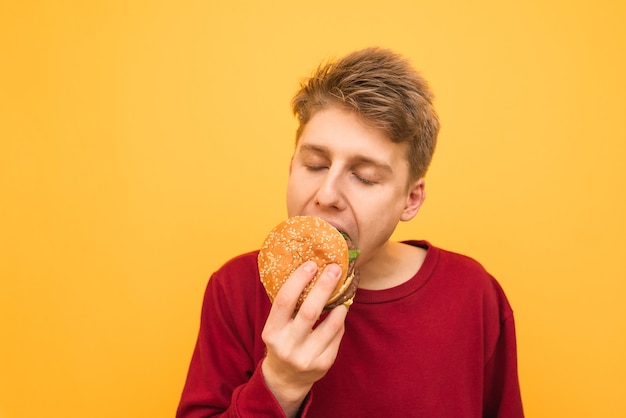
<point>363,180</point>
<point>316,167</point>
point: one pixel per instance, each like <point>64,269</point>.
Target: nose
<point>330,192</point>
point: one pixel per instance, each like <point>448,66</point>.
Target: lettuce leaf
<point>353,254</point>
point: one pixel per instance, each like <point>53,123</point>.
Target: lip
<point>337,226</point>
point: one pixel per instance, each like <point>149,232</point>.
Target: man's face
<point>354,177</point>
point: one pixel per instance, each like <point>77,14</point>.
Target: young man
<point>430,332</point>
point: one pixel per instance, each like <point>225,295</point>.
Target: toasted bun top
<point>296,240</point>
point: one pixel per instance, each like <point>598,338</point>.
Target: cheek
<point>378,215</point>
<point>296,196</point>
<point>291,197</point>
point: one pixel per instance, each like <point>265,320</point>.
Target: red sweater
<point>439,345</point>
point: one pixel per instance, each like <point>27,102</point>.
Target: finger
<point>324,341</point>
<point>332,325</point>
<point>314,303</point>
<point>286,299</point>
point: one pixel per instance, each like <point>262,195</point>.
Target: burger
<point>302,238</point>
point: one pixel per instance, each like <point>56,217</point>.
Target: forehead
<point>340,132</point>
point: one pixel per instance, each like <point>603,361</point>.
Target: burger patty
<point>348,295</point>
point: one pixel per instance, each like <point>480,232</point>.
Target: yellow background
<point>144,143</point>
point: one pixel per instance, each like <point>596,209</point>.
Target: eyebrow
<point>358,159</point>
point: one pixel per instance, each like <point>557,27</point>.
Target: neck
<point>394,264</point>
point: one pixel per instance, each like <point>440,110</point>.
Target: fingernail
<point>310,267</point>
<point>333,270</point>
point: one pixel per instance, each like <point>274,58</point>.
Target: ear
<point>290,164</point>
<point>414,199</point>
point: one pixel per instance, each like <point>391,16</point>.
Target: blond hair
<point>385,91</point>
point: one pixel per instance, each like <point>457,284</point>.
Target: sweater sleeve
<point>502,397</point>
<point>224,377</point>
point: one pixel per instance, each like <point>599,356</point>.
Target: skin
<point>357,179</point>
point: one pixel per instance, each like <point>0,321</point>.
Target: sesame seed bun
<point>299,239</point>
